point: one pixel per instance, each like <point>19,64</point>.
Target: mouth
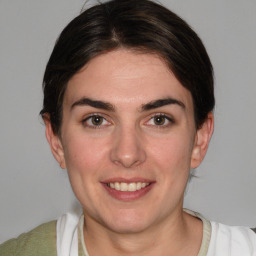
<point>125,190</point>
<point>130,187</point>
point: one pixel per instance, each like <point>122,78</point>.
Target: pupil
<point>159,120</point>
<point>97,120</point>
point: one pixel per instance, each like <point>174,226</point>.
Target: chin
<point>128,223</point>
<point>127,227</point>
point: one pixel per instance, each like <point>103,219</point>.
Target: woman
<point>128,101</point>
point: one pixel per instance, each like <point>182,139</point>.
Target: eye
<point>95,121</point>
<point>160,120</point>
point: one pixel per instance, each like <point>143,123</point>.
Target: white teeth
<point>116,186</point>
<point>131,187</point>
<point>138,186</point>
<point>143,185</point>
<point>124,186</point>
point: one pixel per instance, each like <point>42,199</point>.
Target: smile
<point>130,187</point>
<point>128,190</point>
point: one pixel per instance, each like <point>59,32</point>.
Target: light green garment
<point>40,241</point>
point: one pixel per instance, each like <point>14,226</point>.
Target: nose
<point>127,148</point>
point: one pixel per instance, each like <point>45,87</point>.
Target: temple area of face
<point>144,107</point>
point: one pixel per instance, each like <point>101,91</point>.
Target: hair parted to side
<point>139,25</point>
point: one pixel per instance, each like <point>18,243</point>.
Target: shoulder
<point>234,240</point>
<point>40,241</point>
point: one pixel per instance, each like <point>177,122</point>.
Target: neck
<point>180,234</point>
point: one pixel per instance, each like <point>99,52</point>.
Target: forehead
<point>125,76</point>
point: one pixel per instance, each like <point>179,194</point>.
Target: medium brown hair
<point>139,25</point>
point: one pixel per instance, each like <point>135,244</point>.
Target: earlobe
<point>54,142</point>
<point>202,140</point>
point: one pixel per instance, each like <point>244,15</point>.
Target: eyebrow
<point>160,103</point>
<point>145,107</point>
<point>93,103</point>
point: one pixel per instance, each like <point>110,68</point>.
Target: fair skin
<point>129,123</point>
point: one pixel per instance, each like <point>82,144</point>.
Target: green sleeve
<point>40,241</point>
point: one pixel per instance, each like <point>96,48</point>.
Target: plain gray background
<point>33,188</point>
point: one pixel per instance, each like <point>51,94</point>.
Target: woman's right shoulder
<point>40,241</point>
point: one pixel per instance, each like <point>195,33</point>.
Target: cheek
<point>84,155</point>
<point>173,154</point>
<point>175,148</point>
<point>85,159</point>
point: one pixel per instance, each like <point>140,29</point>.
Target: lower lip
<point>128,195</point>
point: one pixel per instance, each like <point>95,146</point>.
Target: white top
<point>224,240</point>
<point>231,241</point>
<point>218,239</point>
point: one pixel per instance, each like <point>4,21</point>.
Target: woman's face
<point>128,140</point>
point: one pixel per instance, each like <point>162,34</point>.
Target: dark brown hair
<point>139,25</point>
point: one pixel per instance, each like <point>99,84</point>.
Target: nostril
<point>128,160</point>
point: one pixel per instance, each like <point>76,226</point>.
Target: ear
<point>202,140</point>
<point>54,142</point>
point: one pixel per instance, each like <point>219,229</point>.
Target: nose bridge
<point>128,148</point>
